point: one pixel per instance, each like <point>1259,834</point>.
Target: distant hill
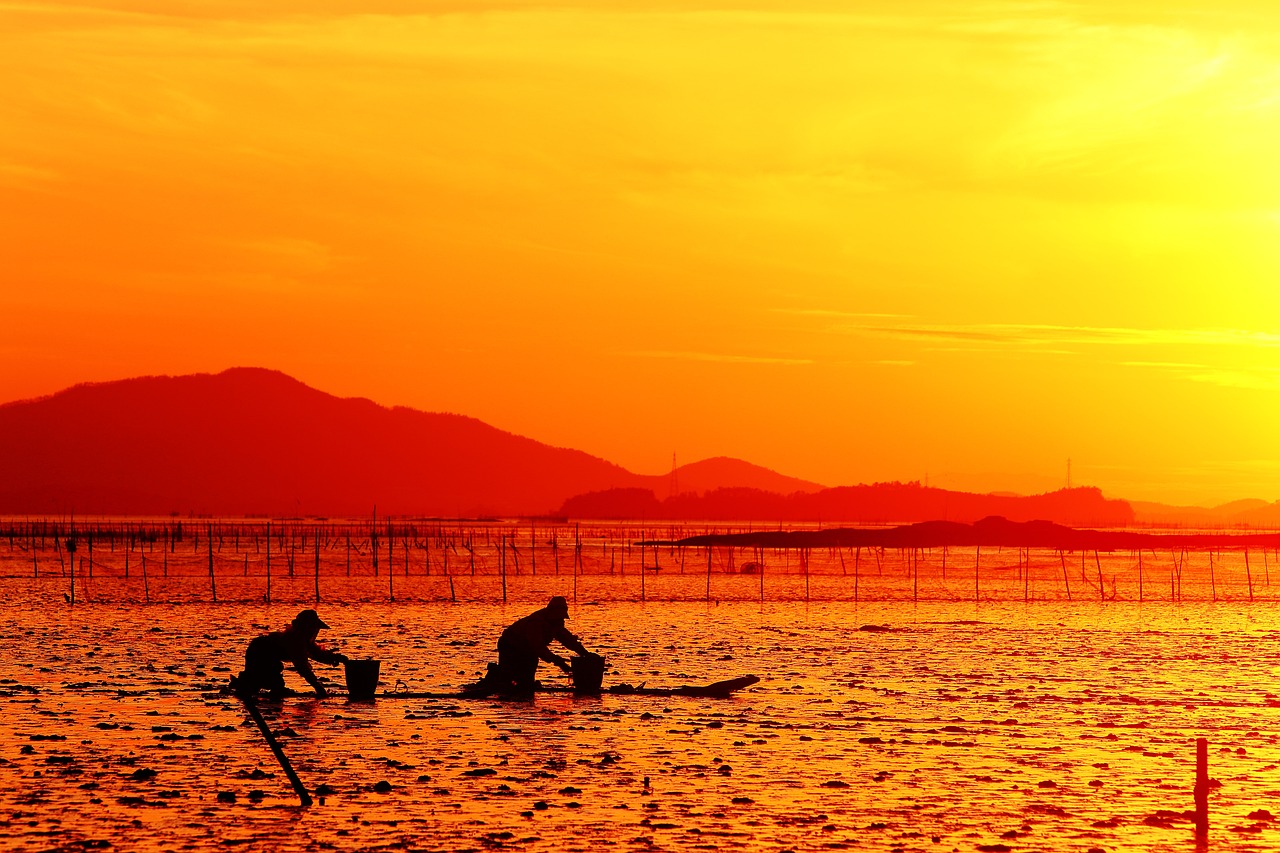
<point>253,441</point>
<point>722,472</point>
<point>881,503</point>
<point>1242,513</point>
<point>250,441</point>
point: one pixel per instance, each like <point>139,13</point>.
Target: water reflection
<point>879,726</point>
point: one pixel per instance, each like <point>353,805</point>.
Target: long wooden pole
<point>1201,791</point>
<point>252,707</point>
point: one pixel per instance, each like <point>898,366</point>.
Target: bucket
<point>588,673</point>
<point>362,679</point>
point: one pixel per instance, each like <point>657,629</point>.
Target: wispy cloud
<point>1009,334</point>
<point>725,358</point>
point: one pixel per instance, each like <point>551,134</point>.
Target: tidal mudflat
<point>884,726</point>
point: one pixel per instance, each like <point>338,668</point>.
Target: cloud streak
<point>1044,335</point>
<point>722,358</point>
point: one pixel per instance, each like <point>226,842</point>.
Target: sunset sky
<point>965,242</point>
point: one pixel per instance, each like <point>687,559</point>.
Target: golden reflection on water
<point>955,727</point>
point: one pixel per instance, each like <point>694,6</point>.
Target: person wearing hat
<point>526,642</point>
<point>266,656</point>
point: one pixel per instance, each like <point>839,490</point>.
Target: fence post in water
<point>1062,558</point>
<point>857,559</point>
<point>317,565</point>
<point>502,568</point>
<point>977,560</point>
<point>1212,584</point>
<point>1026,576</point>
<point>643,536</point>
<point>708,573</point>
<point>1139,575</point>
<point>1201,791</point>
<point>213,581</point>
<point>1248,573</point>
<point>1102,590</point>
<point>761,567</point>
<point>71,551</point>
<point>146,587</point>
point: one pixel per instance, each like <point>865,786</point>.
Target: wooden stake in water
<point>761,568</point>
<point>1212,584</point>
<point>1062,558</point>
<point>708,573</point>
<point>1201,791</point>
<point>71,551</point>
<point>1248,573</point>
<point>213,581</point>
<point>146,587</point>
<point>857,559</point>
<point>977,559</point>
<point>317,566</point>
<point>502,567</point>
<point>1102,591</point>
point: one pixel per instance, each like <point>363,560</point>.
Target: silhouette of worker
<point>266,656</point>
<point>526,642</point>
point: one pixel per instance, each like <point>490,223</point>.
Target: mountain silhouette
<point>251,441</point>
<point>256,441</point>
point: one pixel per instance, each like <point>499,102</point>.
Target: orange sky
<point>966,242</point>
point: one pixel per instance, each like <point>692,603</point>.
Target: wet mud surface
<point>881,727</point>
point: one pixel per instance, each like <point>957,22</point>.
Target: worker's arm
<point>569,641</point>
<point>325,656</point>
<point>551,657</point>
<point>303,666</point>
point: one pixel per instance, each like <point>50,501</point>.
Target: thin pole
<point>1201,791</point>
<point>1212,584</point>
<point>977,559</point>
<point>804,555</point>
<point>1062,557</point>
<point>761,575</point>
<point>1102,593</point>
<point>1248,573</point>
<point>317,565</point>
<point>1026,575</point>
<point>213,581</point>
<point>298,788</point>
<point>857,558</point>
<point>708,573</point>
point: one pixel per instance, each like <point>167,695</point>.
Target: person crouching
<point>266,656</point>
<point>526,642</point>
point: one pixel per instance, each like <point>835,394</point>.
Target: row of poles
<point>376,546</point>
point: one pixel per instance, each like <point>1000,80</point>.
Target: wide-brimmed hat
<point>559,604</point>
<point>309,619</point>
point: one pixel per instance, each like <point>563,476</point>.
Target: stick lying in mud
<point>252,707</point>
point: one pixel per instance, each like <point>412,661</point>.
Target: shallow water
<point>1042,727</point>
